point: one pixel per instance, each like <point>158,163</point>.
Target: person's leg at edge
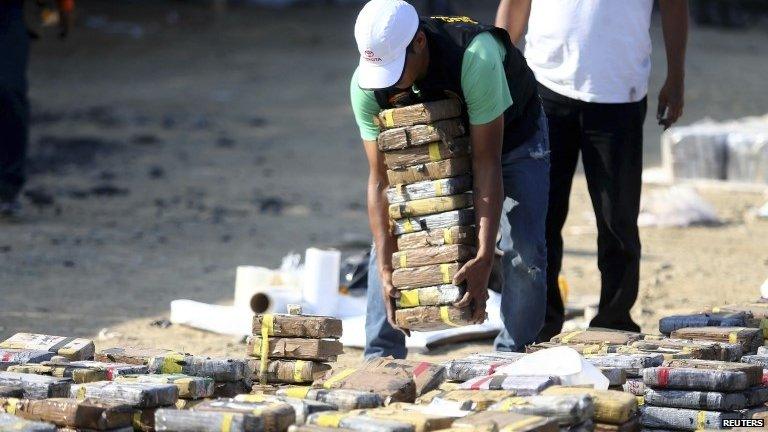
<point>564,135</point>
<point>525,172</point>
<point>612,149</point>
<point>381,340</point>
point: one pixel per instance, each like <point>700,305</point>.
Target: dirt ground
<point>172,142</point>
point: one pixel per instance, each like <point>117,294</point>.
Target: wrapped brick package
<point>705,350</point>
<point>11,392</point>
<point>432,318</point>
<point>302,408</point>
<point>676,322</point>
<point>428,206</point>
<point>434,221</point>
<point>421,420</point>
<point>463,235</point>
<point>565,409</point>
<point>632,362</point>
<point>172,420</point>
<point>392,388</point>
<point>466,400</point>
<point>10,422</point>
<point>429,189</point>
<point>521,385</point>
<point>432,152</point>
<point>297,348</point>
<point>753,372</point>
<point>12,357</point>
<point>131,355</point>
<point>424,276</point>
<point>696,379</point>
<point>231,389</point>
<point>479,364</point>
<point>634,386</point>
<point>432,255</point>
<point>411,136</point>
<point>423,113</point>
<point>507,421</point>
<point>632,425</point>
<point>597,336</point>
<point>756,359</point>
<point>189,387</point>
<point>716,401</point>
<point>291,371</point>
<point>616,376</point>
<point>36,386</point>
<point>267,416</point>
<point>137,395</point>
<point>430,171</point>
<point>749,338</point>
<point>312,428</point>
<point>611,406</point>
<point>340,399</point>
<point>86,414</point>
<point>355,421</point>
<point>298,326</point>
<point>69,347</point>
<point>439,295</point>
<point>219,369</point>
<point>427,376</point>
<point>683,419</point>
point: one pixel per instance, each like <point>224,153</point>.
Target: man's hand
<point>390,294</point>
<point>671,101</point>
<point>475,273</point>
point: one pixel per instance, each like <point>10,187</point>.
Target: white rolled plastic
<point>320,286</point>
<point>274,301</point>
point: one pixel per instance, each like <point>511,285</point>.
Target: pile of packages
<point>427,154</point>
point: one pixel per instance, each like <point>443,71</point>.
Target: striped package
<point>137,395</point>
<point>430,171</point>
<point>340,399</point>
<point>597,336</point>
<point>69,347</point>
<point>422,113</point>
<point>219,369</point>
<point>521,385</point>
<point>439,295</point>
<point>754,372</point>
<point>749,338</point>
<point>267,416</point>
<point>432,152</point>
<point>717,401</point>
<point>432,256</point>
<point>290,371</point>
<point>683,419</point>
<point>478,364</point>
<point>11,357</point>
<point>427,376</point>
<point>416,135</point>
<point>204,421</point>
<point>565,410</point>
<point>676,322</point>
<point>189,387</point>
<point>302,408</point>
<point>464,235</point>
<point>399,194</point>
<point>391,387</point>
<point>434,221</point>
<point>36,386</point>
<point>433,318</point>
<point>696,379</point>
<point>611,406</point>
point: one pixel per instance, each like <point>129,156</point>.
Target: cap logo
<point>371,56</point>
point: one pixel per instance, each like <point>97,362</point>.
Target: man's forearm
<point>674,20</point>
<point>378,218</point>
<point>488,196</point>
<point>512,15</point>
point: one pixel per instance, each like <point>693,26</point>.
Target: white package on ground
<point>250,280</point>
<point>563,362</point>
<point>676,206</point>
<point>748,155</point>
<point>227,320</point>
<point>764,290</point>
<point>354,330</point>
<point>320,283</point>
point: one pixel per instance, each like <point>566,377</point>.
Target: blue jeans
<point>525,172</point>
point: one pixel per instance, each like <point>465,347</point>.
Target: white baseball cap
<point>383,31</point>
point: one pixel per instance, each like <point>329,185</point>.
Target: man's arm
<point>513,15</point>
<point>488,196</point>
<point>674,22</point>
<point>378,218</point>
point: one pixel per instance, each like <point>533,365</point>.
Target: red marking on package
<point>110,374</point>
<point>477,385</point>
<point>493,366</point>
<point>420,368</point>
<point>663,377</point>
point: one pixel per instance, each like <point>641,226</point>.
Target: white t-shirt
<point>591,50</point>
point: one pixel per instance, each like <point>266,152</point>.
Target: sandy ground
<point>172,143</point>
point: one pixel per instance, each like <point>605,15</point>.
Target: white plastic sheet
<point>676,206</point>
<point>563,362</point>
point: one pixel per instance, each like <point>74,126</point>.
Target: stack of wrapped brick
<point>427,154</point>
<point>293,348</point>
<point>700,394</point>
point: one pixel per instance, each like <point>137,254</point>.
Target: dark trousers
<point>610,139</point>
<point>14,105</point>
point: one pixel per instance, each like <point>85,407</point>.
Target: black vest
<point>448,39</point>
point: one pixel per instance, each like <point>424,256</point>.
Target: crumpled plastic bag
<point>676,206</point>
<point>563,362</point>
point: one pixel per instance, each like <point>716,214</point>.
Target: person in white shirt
<point>592,61</point>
